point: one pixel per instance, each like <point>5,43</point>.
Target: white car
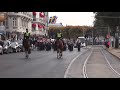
<point>82,39</point>
<point>1,50</point>
<point>83,44</point>
<point>15,47</point>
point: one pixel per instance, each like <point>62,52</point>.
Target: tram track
<point>84,70</point>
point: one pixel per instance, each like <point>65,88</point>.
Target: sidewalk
<point>113,51</point>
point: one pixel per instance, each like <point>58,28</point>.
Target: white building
<point>40,23</point>
<point>2,27</point>
<point>17,22</point>
<point>56,25</point>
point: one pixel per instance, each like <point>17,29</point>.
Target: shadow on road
<point>25,59</point>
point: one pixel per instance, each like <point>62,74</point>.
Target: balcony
<point>15,27</point>
<point>20,14</point>
<point>6,27</point>
<point>38,20</point>
<point>46,28</point>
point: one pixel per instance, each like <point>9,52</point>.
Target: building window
<point>27,24</point>
<point>14,22</point>
<point>5,23</point>
<point>34,18</point>
<point>33,28</point>
<point>22,23</point>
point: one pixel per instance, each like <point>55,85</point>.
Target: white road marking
<point>84,66</point>
<point>110,64</point>
<point>67,70</point>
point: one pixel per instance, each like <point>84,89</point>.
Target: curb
<point>112,54</point>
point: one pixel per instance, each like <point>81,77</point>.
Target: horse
<point>26,45</point>
<point>59,46</point>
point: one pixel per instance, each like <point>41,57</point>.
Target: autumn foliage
<point>71,31</point>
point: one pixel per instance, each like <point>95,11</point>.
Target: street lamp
<point>117,37</point>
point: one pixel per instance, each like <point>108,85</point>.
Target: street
<point>95,63</point>
<point>89,63</point>
<point>90,42</point>
<point>41,64</point>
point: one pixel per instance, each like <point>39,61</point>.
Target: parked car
<point>1,50</point>
<point>7,47</point>
<point>20,43</point>
<point>15,47</point>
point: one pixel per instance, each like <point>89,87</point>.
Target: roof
<point>56,24</point>
<point>81,37</point>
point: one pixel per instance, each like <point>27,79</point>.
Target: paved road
<point>97,66</point>
<point>41,64</point>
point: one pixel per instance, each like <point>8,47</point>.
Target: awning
<point>44,27</point>
<point>42,14</point>
<point>34,13</point>
<point>40,26</point>
<point>34,25</point>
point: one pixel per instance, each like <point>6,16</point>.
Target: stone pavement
<point>113,51</point>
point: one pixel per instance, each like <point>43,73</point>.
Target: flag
<point>42,14</point>
<point>55,19</point>
<point>50,20</point>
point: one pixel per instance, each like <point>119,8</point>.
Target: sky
<point>74,18</point>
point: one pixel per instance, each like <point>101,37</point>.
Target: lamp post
<point>117,37</point>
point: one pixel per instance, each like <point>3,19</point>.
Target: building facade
<point>2,27</point>
<point>16,23</point>
<point>56,25</point>
<point>40,23</point>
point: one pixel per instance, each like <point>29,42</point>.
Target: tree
<point>110,19</point>
<point>71,31</point>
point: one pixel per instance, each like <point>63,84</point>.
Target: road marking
<point>110,64</point>
<point>84,66</point>
<point>66,72</point>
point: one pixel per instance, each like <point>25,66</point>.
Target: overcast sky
<point>74,18</point>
